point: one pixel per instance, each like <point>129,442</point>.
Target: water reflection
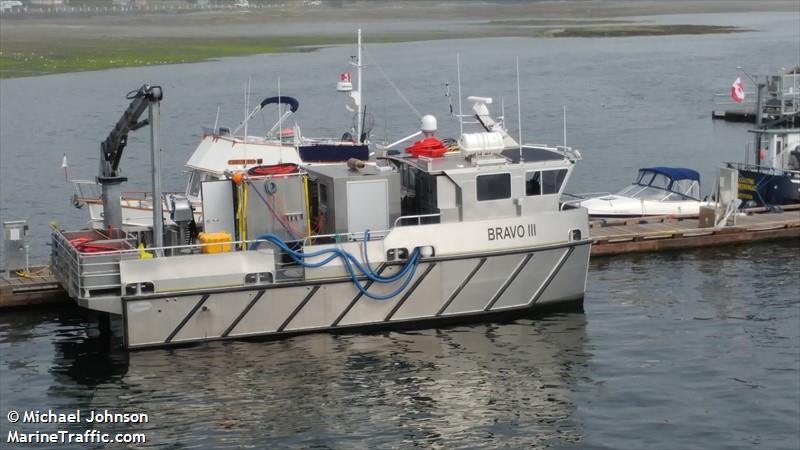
<point>81,356</point>
<point>90,360</point>
<point>460,386</point>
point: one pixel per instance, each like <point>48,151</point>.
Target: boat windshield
<point>657,186</point>
<point>630,190</point>
<point>647,193</point>
<point>653,179</point>
<point>689,188</point>
<point>689,192</point>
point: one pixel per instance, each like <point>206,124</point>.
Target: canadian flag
<point>345,76</point>
<point>737,90</point>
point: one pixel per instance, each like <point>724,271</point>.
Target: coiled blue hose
<point>408,270</point>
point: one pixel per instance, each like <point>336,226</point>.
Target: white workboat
<point>410,241</point>
<point>657,191</point>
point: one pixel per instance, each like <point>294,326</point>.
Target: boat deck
<point>665,233</point>
<point>610,238</point>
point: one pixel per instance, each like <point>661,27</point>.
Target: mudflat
<point>36,45</point>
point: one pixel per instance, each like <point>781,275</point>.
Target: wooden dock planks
<point>39,288</point>
<point>658,234</point>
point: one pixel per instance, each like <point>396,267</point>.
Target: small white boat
<point>223,152</point>
<point>657,191</point>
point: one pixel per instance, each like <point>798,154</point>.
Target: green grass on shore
<point>646,30</point>
<point>31,58</point>
<point>23,57</point>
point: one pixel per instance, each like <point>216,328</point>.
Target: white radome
<point>428,123</point>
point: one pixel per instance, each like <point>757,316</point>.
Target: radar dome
<point>428,124</point>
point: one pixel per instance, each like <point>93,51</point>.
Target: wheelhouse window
<point>552,180</point>
<point>544,182</point>
<point>533,183</point>
<point>493,187</point>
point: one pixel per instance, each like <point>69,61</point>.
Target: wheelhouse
<point>458,188</point>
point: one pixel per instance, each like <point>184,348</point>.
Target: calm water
<point>697,349</point>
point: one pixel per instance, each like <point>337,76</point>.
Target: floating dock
<point>611,237</point>
<point>735,115</point>
<point>36,288</point>
<point>667,233</point>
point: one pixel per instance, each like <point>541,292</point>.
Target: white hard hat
<point>428,123</point>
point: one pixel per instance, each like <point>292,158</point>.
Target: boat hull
<point>444,290</point>
<point>758,188</point>
<point>615,206</point>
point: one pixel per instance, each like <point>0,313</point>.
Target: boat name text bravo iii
<point>511,232</point>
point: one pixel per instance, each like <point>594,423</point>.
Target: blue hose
<point>365,253</point>
<point>335,252</point>
<point>350,261</point>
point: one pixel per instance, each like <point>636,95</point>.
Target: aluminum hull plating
<point>447,289</point>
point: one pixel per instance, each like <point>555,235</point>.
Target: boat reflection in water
<point>515,381</point>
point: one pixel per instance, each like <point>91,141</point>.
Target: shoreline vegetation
<point>34,58</point>
<point>43,46</point>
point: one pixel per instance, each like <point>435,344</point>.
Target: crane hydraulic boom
<point>111,149</point>
<point>109,177</point>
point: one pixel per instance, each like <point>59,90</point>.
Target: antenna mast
<point>460,113</point>
<point>565,128</point>
<point>360,118</point>
<point>246,110</point>
<point>280,116</point>
<point>280,124</point>
<point>519,113</point>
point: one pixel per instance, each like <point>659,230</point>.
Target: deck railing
<point>87,275</point>
<point>767,169</point>
<point>90,274</point>
<point>577,198</point>
<point>418,219</point>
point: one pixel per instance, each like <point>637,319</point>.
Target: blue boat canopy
<point>675,173</point>
<point>291,101</point>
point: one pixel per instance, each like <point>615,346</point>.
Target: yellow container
<point>223,241</point>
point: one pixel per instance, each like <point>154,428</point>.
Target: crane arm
<point>111,149</point>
